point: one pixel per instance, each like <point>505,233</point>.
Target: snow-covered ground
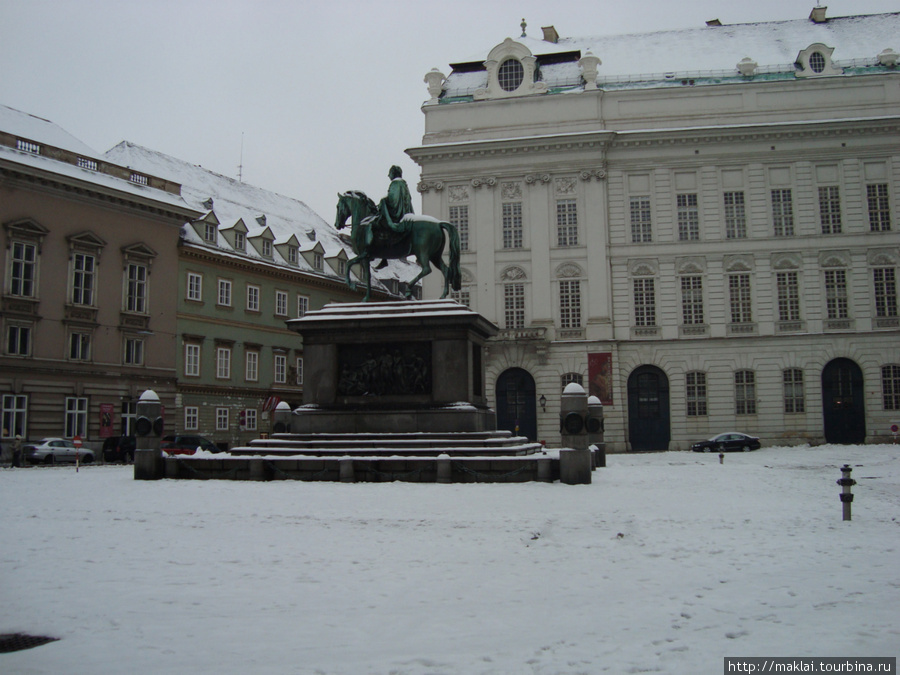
<point>666,563</point>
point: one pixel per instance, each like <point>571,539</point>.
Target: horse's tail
<point>453,275</point>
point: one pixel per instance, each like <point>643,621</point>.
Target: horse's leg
<point>422,259</point>
<point>368,267</point>
<point>350,283</point>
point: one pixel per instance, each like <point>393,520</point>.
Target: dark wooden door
<point>648,409</point>
<point>516,409</point>
<point>843,402</point>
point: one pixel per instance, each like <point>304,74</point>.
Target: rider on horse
<point>389,224</point>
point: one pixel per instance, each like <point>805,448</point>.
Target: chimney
<point>550,34</point>
<point>817,15</point>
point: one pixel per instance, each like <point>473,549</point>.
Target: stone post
<point>148,427</point>
<point>575,457</point>
<point>595,430</point>
<point>281,418</point>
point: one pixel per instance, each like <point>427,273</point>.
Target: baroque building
<point>699,226</point>
<point>133,270</point>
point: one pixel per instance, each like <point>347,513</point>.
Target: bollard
<point>846,496</point>
<point>347,475</point>
<point>444,469</point>
<point>721,458</point>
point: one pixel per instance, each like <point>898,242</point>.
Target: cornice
<point>569,142</point>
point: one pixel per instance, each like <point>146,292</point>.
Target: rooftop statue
<point>390,230</point>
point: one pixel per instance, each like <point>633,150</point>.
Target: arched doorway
<point>648,409</point>
<point>516,404</point>
<point>843,402</point>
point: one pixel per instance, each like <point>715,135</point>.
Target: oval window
<point>510,75</point>
<point>817,62</point>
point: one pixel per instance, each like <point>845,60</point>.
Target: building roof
<point>38,146</point>
<point>712,50</point>
<point>263,213</point>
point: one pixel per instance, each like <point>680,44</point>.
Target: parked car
<point>186,445</point>
<point>53,450</point>
<point>730,441</point>
<point>119,449</point>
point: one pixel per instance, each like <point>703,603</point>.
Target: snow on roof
<point>39,130</point>
<point>704,49</point>
<point>233,200</point>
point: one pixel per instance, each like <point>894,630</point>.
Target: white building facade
<point>708,248</point>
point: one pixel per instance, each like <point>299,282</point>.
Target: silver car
<point>53,450</point>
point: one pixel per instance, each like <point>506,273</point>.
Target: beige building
<point>88,317</point>
<point>698,225</point>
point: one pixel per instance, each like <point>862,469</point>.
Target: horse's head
<point>343,212</point>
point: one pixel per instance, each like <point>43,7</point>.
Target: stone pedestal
<point>393,367</point>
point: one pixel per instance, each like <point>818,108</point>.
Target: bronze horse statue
<point>424,238</point>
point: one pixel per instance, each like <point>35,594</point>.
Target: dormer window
<point>318,261</point>
<point>815,61</point>
<point>510,74</point>
<point>267,248</point>
<point>209,233</point>
<point>292,255</point>
<point>239,241</point>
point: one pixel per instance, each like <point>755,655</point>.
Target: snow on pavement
<point>667,563</point>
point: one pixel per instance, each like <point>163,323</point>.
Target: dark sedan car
<point>187,445</point>
<point>731,441</point>
<point>119,449</point>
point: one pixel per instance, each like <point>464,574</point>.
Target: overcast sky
<point>324,94</point>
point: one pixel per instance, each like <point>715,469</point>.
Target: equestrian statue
<point>390,230</point>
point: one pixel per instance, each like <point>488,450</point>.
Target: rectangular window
<point>735,216</point>
<point>783,212</point>
<point>24,261</point>
<point>251,366</point>
<point>280,368</point>
<point>267,248</point>
<point>512,225</point>
<point>739,298</point>
<point>136,299</point>
<point>134,351</point>
<point>252,298</point>
<point>83,279</point>
<point>191,418</point>
<point>299,381</point>
<point>76,416</point>
<point>745,392</point>
<point>292,255</point>
<point>570,304</point>
<point>15,415</point>
<point>890,387</point>
<point>692,300</point>
<point>462,297</point>
<point>879,207</point>
<point>695,392</point>
<point>793,391</point>
<point>221,419</point>
<point>885,292</point>
<point>571,378</point>
<point>249,419</point>
<point>80,346</point>
<point>836,294</point>
<point>318,261</point>
<point>223,363</point>
<point>302,305</point>
<point>192,360</point>
<point>18,340</point>
<point>566,223</point>
<point>224,297</point>
<point>641,230</point>
<point>210,233</point>
<point>514,305</point>
<point>194,286</point>
<point>281,303</point>
<point>459,216</point>
<point>688,217</point>
<point>788,296</point>
<point>644,302</point>
<point>239,241</point>
<point>830,209</point>
<point>28,146</point>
